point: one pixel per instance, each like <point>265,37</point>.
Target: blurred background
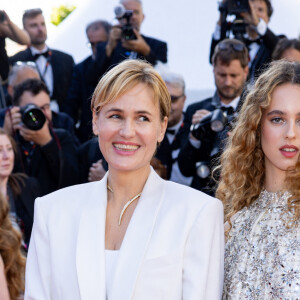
<point>186,25</point>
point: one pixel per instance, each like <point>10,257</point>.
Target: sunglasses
<point>235,47</point>
<point>174,99</point>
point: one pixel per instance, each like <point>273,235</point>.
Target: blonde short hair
<point>125,76</point>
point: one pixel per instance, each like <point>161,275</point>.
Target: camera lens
<point>33,117</point>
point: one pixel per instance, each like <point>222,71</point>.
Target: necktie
<point>45,54</point>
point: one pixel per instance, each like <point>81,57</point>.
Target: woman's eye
<point>143,118</point>
<point>115,116</point>
<point>277,120</point>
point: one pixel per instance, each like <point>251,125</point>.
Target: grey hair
<point>13,73</point>
<point>173,79</point>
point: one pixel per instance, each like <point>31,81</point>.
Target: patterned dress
<point>262,255</point>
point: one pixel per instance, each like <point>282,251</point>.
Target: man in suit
<point>47,154</point>
<point>55,67</point>
<point>118,48</point>
<point>176,133</point>
<point>230,61</point>
<point>260,40</point>
<point>78,100</point>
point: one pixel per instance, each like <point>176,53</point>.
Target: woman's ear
<point>163,128</point>
<point>95,127</point>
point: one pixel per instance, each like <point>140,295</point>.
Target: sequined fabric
<point>262,255</point>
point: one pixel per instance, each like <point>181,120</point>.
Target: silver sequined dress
<point>262,255</point>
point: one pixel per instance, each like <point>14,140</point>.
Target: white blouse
<point>111,260</point>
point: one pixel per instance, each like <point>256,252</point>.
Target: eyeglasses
<point>31,64</point>
<point>235,47</point>
<point>174,99</point>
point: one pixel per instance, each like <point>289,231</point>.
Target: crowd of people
<point>153,175</point>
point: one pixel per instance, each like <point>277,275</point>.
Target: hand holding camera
<point>138,45</point>
<point>30,122</point>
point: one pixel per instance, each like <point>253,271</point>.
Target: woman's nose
<point>128,129</point>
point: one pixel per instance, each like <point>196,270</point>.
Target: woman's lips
<point>289,151</point>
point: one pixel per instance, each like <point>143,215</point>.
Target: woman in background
<point>260,189</point>
<point>12,261</point>
<point>18,189</point>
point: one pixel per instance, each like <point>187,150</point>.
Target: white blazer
<point>173,247</point>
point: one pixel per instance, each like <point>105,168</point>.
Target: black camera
<point>235,7</point>
<point>238,25</point>
<point>124,15</point>
<point>32,117</point>
<point>212,123</point>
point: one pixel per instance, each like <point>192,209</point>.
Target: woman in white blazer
<point>131,235</point>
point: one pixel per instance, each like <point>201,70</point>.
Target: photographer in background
<point>78,101</point>
<point>125,41</point>
<point>45,153</point>
<point>205,142</point>
<point>250,26</point>
<point>9,30</point>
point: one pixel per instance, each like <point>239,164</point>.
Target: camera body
<point>127,29</point>
<point>32,117</point>
<point>212,123</point>
<point>238,25</point>
<point>124,16</point>
<point>212,130</point>
<point>235,7</point>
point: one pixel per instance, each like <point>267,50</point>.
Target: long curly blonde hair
<point>242,170</point>
<point>10,251</point>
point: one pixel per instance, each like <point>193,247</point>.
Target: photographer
<point>45,153</point>
<point>125,41</point>
<point>251,27</point>
<point>9,30</point>
<point>230,67</point>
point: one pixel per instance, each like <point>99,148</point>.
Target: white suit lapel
<point>90,260</point>
<point>137,238</point>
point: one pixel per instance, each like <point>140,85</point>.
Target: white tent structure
<point>186,25</point>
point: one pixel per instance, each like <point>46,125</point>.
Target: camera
<point>32,117</point>
<point>211,124</point>
<point>238,25</point>
<point>125,15</point>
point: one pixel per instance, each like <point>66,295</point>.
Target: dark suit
<point>103,63</point>
<point>62,66</point>
<point>78,101</point>
<point>189,155</point>
<point>263,56</point>
<point>54,169</point>
<point>4,66</point>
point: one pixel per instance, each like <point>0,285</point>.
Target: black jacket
<point>62,66</point>
<point>54,165</point>
<point>103,63</point>
<point>78,101</point>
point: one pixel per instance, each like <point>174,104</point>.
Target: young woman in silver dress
<point>260,188</point>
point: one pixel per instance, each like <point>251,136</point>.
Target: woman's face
<point>280,129</point>
<point>129,128</point>
<point>6,156</point>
